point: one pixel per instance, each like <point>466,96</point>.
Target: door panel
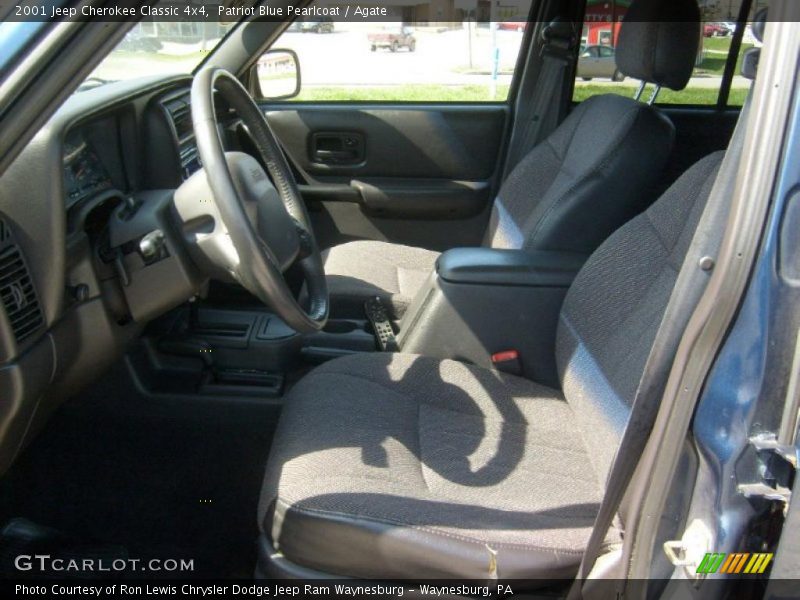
<point>417,175</point>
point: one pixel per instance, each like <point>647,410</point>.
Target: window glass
<point>606,52</point>
<point>437,51</point>
<point>162,48</point>
<point>14,37</point>
<point>740,85</point>
<point>599,74</point>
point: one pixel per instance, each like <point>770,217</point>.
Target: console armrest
<point>481,301</point>
<point>488,266</point>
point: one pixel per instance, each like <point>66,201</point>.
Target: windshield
<point>158,48</point>
<point>14,36</point>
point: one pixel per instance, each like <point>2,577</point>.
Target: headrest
<point>659,41</point>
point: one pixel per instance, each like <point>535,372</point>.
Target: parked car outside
<point>324,25</point>
<point>512,25</point>
<point>598,61</point>
<point>716,30</point>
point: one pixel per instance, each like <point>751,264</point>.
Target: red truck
<point>393,38</point>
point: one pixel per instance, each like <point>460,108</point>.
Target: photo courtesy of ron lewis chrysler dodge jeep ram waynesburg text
<point>437,298</point>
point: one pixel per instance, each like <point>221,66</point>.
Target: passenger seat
<point>591,175</point>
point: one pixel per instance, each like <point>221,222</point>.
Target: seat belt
<point>656,372</point>
<point>539,117</point>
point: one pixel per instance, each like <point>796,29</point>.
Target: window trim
<point>733,55</point>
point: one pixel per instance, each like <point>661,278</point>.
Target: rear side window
<point>438,51</point>
<point>597,72</point>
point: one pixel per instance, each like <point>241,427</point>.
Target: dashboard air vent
<point>180,113</point>
<point>179,110</point>
<point>17,293</point>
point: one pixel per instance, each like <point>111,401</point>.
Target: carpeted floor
<point>164,479</point>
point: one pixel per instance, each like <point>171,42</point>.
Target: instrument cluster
<point>84,173</point>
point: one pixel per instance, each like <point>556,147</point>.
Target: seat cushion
<point>402,466</point>
<point>358,270</point>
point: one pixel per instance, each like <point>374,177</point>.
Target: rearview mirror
<point>278,74</point>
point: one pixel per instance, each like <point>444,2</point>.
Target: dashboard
<point>177,111</point>
<point>84,173</point>
<point>146,143</point>
<point>75,206</point>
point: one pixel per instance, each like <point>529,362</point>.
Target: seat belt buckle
<point>507,361</point>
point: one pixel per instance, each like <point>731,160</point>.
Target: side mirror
<point>278,74</point>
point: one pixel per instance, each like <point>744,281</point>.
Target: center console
<point>478,304</point>
<point>482,304</point>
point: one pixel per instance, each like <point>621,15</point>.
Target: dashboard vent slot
<point>17,294</point>
<point>180,113</point>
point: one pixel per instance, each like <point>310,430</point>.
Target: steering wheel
<point>264,228</point>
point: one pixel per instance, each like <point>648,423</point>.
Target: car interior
<point>362,340</point>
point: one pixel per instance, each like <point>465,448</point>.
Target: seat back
<point>612,312</point>
<point>587,178</point>
<point>599,167</point>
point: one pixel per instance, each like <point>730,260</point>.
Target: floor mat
<point>163,481</point>
<point>28,540</point>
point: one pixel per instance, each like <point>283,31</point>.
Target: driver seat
<point>592,174</point>
<point>398,466</point>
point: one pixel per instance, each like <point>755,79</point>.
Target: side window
<point>739,87</point>
<point>436,51</point>
<point>601,27</point>
<point>606,52</point>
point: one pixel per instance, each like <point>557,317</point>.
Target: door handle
<point>337,148</point>
<point>330,155</point>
